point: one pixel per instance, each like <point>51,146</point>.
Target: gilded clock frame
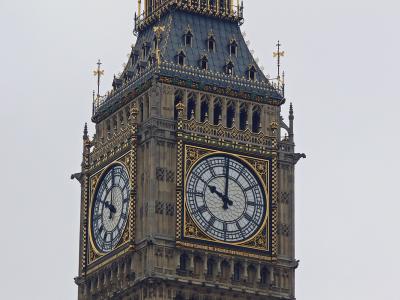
<point>127,240</point>
<point>93,192</point>
<point>265,183</point>
<point>263,244</point>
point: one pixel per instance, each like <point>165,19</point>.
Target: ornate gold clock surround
<point>191,148</point>
<point>128,234</point>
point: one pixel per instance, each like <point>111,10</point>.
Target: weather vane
<point>98,73</point>
<point>279,54</point>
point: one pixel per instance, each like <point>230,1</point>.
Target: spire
<point>85,132</point>
<point>291,114</point>
<point>291,119</point>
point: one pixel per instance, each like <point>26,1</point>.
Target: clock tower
<point>187,186</point>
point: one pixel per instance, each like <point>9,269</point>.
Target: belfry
<point>187,186</point>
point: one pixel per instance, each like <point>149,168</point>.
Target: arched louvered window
<point>233,48</point>
<point>211,44</point>
<point>181,58</point>
<point>252,73</point>
<point>188,37</point>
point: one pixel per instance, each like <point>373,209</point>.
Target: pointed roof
<point>172,41</point>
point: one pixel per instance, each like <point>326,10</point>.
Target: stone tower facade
<point>187,187</point>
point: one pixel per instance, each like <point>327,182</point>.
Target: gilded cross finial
<point>98,73</point>
<point>278,54</point>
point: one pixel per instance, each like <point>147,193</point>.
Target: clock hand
<point>224,198</point>
<point>226,178</point>
<point>110,207</point>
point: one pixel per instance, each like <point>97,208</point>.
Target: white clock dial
<point>110,209</point>
<point>225,198</point>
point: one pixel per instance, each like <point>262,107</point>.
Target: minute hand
<point>227,179</point>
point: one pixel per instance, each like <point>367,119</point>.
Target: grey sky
<point>342,75</point>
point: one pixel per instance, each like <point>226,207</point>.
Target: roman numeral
<point>202,209</point>
<point>196,194</point>
<point>225,229</point>
<point>240,172</point>
<point>211,222</point>
<point>252,203</point>
<point>199,178</point>
<point>211,169</point>
<point>250,188</point>
<point>240,229</point>
<point>248,218</point>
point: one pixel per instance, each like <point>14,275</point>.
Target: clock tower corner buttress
<point>187,187</point>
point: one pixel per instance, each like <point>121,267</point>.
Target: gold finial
<point>139,7</point>
<point>279,54</point>
<point>98,73</point>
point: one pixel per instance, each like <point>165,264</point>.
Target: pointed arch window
<point>204,63</point>
<point>181,58</point>
<point>188,37</point>
<point>252,73</point>
<point>256,122</point>
<point>243,117</point>
<point>229,68</point>
<point>233,48</point>
<point>204,108</point>
<point>191,107</point>
<point>217,118</point>
<point>211,43</point>
<point>230,115</point>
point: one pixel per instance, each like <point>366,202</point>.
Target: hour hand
<point>213,190</point>
<point>223,197</point>
<point>111,207</point>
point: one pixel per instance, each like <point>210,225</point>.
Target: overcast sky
<point>342,69</point>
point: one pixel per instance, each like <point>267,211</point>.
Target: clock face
<point>110,209</point>
<point>225,198</point>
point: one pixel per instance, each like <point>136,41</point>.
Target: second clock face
<point>225,198</point>
<point>110,209</point>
